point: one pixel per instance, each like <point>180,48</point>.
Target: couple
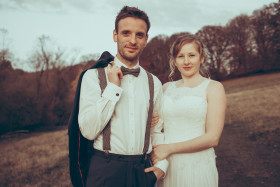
<point>192,111</point>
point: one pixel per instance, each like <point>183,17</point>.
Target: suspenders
<point>107,129</point>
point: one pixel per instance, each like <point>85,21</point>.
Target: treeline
<point>246,45</point>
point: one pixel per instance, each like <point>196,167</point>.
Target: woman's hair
<point>177,46</point>
<point>127,11</point>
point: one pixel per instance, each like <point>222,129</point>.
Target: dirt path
<point>247,159</point>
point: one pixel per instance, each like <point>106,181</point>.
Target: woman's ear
<point>202,60</point>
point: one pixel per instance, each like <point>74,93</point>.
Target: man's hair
<point>134,12</point>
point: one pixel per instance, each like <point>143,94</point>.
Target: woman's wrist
<point>170,149</point>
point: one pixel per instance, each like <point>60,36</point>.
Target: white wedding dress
<point>184,114</point>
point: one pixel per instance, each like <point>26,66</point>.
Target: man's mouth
<point>132,48</point>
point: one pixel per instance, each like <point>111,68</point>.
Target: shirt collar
<point>119,63</point>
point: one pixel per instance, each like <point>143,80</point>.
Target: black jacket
<point>79,147</point>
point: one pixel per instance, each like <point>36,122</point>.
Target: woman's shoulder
<point>213,84</point>
<point>215,88</point>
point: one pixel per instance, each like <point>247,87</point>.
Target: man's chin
<point>131,56</point>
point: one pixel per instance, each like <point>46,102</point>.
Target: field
<point>248,153</point>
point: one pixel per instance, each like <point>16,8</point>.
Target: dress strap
<point>204,86</point>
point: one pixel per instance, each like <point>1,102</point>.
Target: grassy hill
<point>248,154</point>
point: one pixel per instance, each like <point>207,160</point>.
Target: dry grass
<point>38,160</point>
<point>41,158</point>
<point>254,101</point>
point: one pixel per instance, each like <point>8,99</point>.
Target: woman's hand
<point>155,119</point>
<point>160,152</point>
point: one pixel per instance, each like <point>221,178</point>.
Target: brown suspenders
<point>107,129</point>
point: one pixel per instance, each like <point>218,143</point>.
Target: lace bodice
<point>184,111</point>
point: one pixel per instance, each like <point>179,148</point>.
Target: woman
<point>193,113</point>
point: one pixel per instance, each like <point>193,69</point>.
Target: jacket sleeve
<point>96,109</point>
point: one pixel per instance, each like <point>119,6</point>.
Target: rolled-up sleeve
<point>96,109</point>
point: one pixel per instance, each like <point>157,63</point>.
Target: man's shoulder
<point>156,80</point>
<point>154,77</point>
<point>90,74</point>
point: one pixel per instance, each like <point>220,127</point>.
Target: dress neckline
<point>175,82</point>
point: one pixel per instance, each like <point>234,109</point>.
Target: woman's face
<point>188,60</point>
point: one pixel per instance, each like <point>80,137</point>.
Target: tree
<point>266,32</point>
<point>5,54</point>
<point>241,42</point>
<point>215,39</point>
<point>52,85</point>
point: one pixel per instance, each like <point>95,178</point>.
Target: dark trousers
<point>115,170</point>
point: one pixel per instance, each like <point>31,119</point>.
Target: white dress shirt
<point>127,107</point>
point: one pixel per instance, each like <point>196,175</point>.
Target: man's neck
<point>129,64</point>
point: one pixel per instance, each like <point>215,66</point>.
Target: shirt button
<point>117,94</point>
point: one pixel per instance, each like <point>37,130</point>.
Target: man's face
<point>131,39</point>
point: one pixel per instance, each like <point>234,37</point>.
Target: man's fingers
<point>120,75</point>
<point>111,63</point>
<point>149,169</point>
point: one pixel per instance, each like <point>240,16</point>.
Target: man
<point>124,103</point>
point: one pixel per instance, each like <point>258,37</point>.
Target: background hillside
<point>246,45</point>
<point>248,153</point>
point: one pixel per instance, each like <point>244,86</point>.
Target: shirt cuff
<point>163,165</point>
<point>112,92</point>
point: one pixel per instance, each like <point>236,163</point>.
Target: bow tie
<point>126,71</point>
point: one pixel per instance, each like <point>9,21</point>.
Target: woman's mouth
<point>187,68</point>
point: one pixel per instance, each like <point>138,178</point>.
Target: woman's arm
<point>216,108</point>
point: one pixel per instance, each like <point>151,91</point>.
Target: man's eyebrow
<point>125,31</point>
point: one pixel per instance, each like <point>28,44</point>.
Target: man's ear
<point>147,36</point>
<point>115,35</point>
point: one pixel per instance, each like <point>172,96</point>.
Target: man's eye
<point>140,35</point>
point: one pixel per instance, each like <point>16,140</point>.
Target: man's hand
<point>114,74</point>
<point>158,172</point>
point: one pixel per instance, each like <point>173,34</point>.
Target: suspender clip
<point>145,156</point>
<point>106,153</point>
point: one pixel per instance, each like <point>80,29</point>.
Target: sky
<point>82,27</point>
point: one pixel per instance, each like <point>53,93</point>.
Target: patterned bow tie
<point>126,71</point>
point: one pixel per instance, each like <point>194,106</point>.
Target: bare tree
<point>46,57</point>
<point>5,53</point>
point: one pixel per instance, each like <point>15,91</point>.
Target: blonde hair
<point>177,46</point>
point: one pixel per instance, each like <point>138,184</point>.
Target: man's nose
<point>133,39</point>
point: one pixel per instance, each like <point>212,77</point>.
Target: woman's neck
<point>192,81</point>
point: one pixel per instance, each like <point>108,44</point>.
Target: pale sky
<point>83,27</point>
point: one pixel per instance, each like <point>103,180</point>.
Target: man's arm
<point>157,136</point>
<point>96,109</point>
